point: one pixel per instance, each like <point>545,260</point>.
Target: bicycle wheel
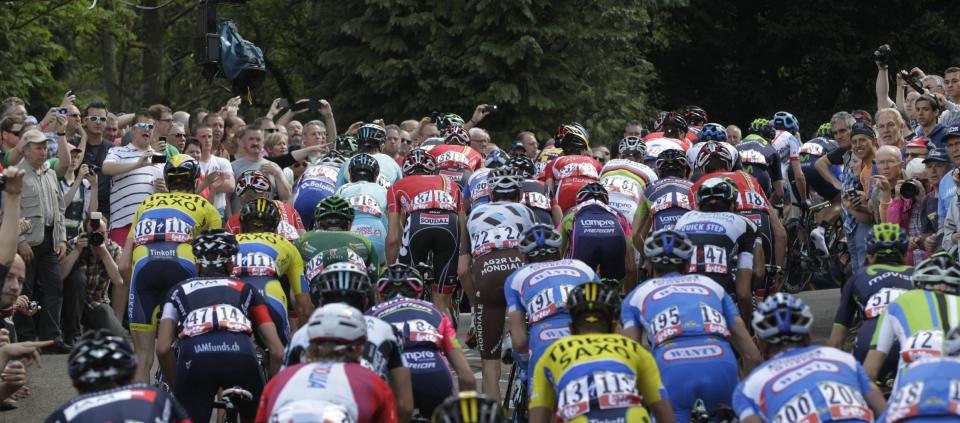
<point>517,395</point>
<point>796,271</point>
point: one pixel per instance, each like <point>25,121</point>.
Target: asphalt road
<point>51,387</point>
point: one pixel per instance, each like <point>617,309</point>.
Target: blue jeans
<point>857,244</point>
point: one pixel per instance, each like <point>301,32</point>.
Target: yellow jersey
<point>173,217</point>
<point>269,254</point>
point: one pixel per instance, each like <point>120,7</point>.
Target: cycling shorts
<point>542,335</point>
<point>430,377</point>
<point>306,203</point>
<point>212,361</point>
<point>157,267</point>
<point>459,176</point>
<point>489,272</point>
<point>703,367</point>
<point>861,346</point>
<point>816,182</point>
<point>372,228</point>
<point>276,296</point>
<point>765,235</point>
<point>626,414</point>
<point>436,231</point>
<point>566,195</point>
<point>601,245</point>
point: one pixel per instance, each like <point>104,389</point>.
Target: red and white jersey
<point>450,156</point>
<point>424,192</point>
<point>350,385</point>
<point>685,143</point>
<point>750,197</point>
<point>580,168</point>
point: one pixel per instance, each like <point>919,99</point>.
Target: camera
<point>910,188</point>
<point>158,159</point>
<point>33,306</point>
<point>882,55</point>
<point>93,168</point>
<point>62,111</point>
<point>95,238</point>
<point>490,108</point>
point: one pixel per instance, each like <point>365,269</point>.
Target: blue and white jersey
<point>367,199</point>
<point>322,178</point>
<point>678,305</point>
<point>540,289</point>
<point>389,171</point>
<point>807,384</point>
<point>929,387</point>
<point>476,189</point>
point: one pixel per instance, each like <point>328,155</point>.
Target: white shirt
<point>128,190</point>
<point>217,164</point>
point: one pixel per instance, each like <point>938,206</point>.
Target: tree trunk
<point>151,34</point>
<point>110,80</point>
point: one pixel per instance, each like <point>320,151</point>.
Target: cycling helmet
<point>469,407</point>
<point>333,207</point>
<point>951,342</point>
<point>716,189</point>
<point>593,191</point>
<point>448,120</point>
<point>714,151</point>
<point>252,179</point>
<point>101,357</point>
<point>658,121</point>
<point>713,132</point>
<point>399,277</point>
<point>572,137</point>
<point>757,124</point>
<point>346,144</point>
<point>214,247</point>
<point>338,323</point>
<point>825,130</point>
<point>782,318</point>
<point>371,135</point>
<point>540,240</point>
<point>632,147</point>
<point>333,158</point>
<point>496,159</point>
<point>677,122</point>
<point>343,280</point>
<point>181,173</point>
<point>671,159</point>
<point>522,164</point>
<point>592,302</point>
<point>309,410</point>
<point>938,272</point>
<point>694,115</point>
<point>887,240</point>
<point>785,121</point>
<point>456,135</point>
<point>505,182</point>
<point>363,167</point>
<point>419,159</point>
<point>260,215</point>
<point>668,246</point>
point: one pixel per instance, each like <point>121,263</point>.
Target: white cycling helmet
<point>951,342</point>
<point>338,323</point>
<point>312,411</point>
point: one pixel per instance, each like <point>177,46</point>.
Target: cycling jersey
<point>161,232</point>
<point>424,192</point>
<point>289,227</point>
<point>808,384</point>
<point>760,160</point>
<point>597,234</point>
<point>369,201</point>
<point>313,242</point>
<point>476,189</point>
<point>216,316</point>
<point>428,336</point>
<point>569,174</point>
<point>350,385</point>
<point>810,152</point>
<point>390,171</point>
<point>324,258</point>
<point>537,198</point>
<point>264,259</point>
<point>788,148</point>
<point>316,183</point>
<point>382,354</point>
<point>137,402</point>
<point>864,297</point>
<point>917,319</point>
<point>694,151</point>
<point>497,226</point>
<point>723,242</point>
<point>926,390</point>
<point>665,201</point>
<point>750,196</point>
<point>625,181</point>
<point>452,156</point>
<point>656,146</point>
<point>688,139</point>
<point>596,376</point>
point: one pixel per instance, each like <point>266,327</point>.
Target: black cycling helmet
<point>540,240</point>
<point>99,358</point>
<point>419,159</point>
<point>260,215</point>
<point>671,159</point>
<point>668,246</point>
<point>371,135</point>
<point>469,407</point>
<point>343,282</point>
<point>214,247</point>
<point>524,165</point>
<point>593,191</point>
<point>333,208</point>
<point>593,302</point>
<point>399,278</point>
<point>345,144</point>
<point>363,167</point>
<point>674,126</point>
<point>717,191</point>
<point>572,138</point>
<point>694,115</point>
<point>887,240</point>
<point>181,173</point>
<point>632,147</point>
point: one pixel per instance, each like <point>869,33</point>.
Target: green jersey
<point>313,242</point>
<point>918,319</point>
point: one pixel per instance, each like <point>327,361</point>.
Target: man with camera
<point>88,269</point>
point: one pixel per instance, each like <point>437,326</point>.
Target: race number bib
<point>844,402</point>
<point>536,200</point>
<point>365,204</point>
<point>433,199</point>
<point>713,258</point>
<point>878,302</point>
<point>752,157</point>
<point>670,201</point>
<point>171,229</point>
<point>500,237</point>
<point>421,331</point>
<point>546,303</point>
<point>622,185</point>
<point>713,320</point>
<point>453,160</point>
<point>926,343</point>
<point>799,409</point>
<point>751,201</point>
<point>666,324</point>
<point>611,389</point>
<point>254,264</point>
<point>218,317</point>
<point>905,402</point>
<point>481,190</point>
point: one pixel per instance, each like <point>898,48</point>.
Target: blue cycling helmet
<point>496,159</point>
<point>540,239</point>
<point>668,246</point>
<point>782,318</point>
<point>713,132</point>
<point>785,121</point>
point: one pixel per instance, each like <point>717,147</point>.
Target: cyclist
<point>101,367</point>
<point>927,389</point>
<point>159,239</point>
<point>691,323</point>
<point>370,139</point>
<point>800,381</point>
<point>537,293</point>
<point>469,407</point>
<point>695,117</point>
<point>318,181</point>
<point>673,126</point>
<point>333,219</point>
<point>368,198</point>
<point>596,374</point>
<point>546,156</point>
<point>455,158</point>
<point>866,295</point>
<point>724,240</point>
<point>495,229</point>
<point>659,145</point>
<point>213,316</point>
<point>918,318</point>
<point>253,184</point>
<point>788,148</point>
<point>565,175</point>
<point>810,152</point>
<point>718,135</point>
<point>626,177</point>
<point>264,257</point>
<point>430,343</point>
<point>426,210</point>
<point>348,283</point>
<point>598,235</point>
<point>333,373</point>
<point>535,193</point>
<point>476,191</point>
<point>665,200</point>
<point>761,160</point>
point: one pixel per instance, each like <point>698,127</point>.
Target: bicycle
<point>231,398</point>
<point>515,402</point>
<point>722,414</point>
<point>804,261</point>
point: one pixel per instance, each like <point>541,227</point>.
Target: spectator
<point>177,136</point>
<point>182,118</point>
<point>937,164</point>
<point>391,146</point>
<point>80,193</point>
<point>425,130</point>
<point>10,129</point>
<point>404,146</point>
<point>134,176</point>
<point>918,147</point>
<point>601,154</point>
<point>480,140</point>
<point>928,110</point>
<point>45,243</point>
<point>12,267</point>
<point>196,116</point>
<point>315,133</point>
<point>266,125</point>
<point>88,269</point>
<point>162,117</point>
<point>409,125</point>
<point>911,210</point>
<point>948,189</point>
<point>530,144</point>
<point>889,166</point>
<point>99,140</point>
<point>734,135</point>
<point>192,148</point>
<point>275,144</point>
<point>13,106</point>
<point>111,130</point>
<point>857,217</point>
<point>295,132</point>
<point>229,148</point>
<point>249,157</point>
<point>633,129</point>
<point>216,171</point>
<point>890,127</point>
<point>215,122</point>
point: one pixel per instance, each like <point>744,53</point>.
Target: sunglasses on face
<point>97,118</point>
<point>142,125</point>
<point>270,130</point>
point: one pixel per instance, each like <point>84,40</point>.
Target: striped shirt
<point>128,190</point>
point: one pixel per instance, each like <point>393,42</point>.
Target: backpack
<point>240,60</point>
